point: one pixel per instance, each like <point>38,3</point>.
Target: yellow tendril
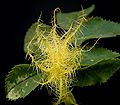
<point>56,57</point>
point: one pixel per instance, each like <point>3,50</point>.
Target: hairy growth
<point>56,57</point>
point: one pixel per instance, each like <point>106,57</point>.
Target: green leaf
<point>32,31</point>
<point>29,35</point>
<point>21,81</point>
<point>65,19</point>
<point>69,99</point>
<point>98,28</point>
<point>97,74</point>
<point>96,55</point>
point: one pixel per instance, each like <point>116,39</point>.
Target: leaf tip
<point>13,95</point>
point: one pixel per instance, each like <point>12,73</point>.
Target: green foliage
<point>70,99</point>
<point>98,28</point>
<point>96,55</point>
<point>32,31</point>
<point>97,74</point>
<point>65,19</point>
<point>97,64</point>
<point>21,81</point>
<point>29,34</point>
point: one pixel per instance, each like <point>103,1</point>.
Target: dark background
<point>17,16</point>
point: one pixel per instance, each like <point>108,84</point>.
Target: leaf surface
<point>32,31</point>
<point>65,19</point>
<point>96,55</point>
<point>98,28</point>
<point>97,74</point>
<point>21,81</point>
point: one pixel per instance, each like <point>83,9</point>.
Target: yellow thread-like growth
<point>56,57</point>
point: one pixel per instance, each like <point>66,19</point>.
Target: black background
<point>17,16</point>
